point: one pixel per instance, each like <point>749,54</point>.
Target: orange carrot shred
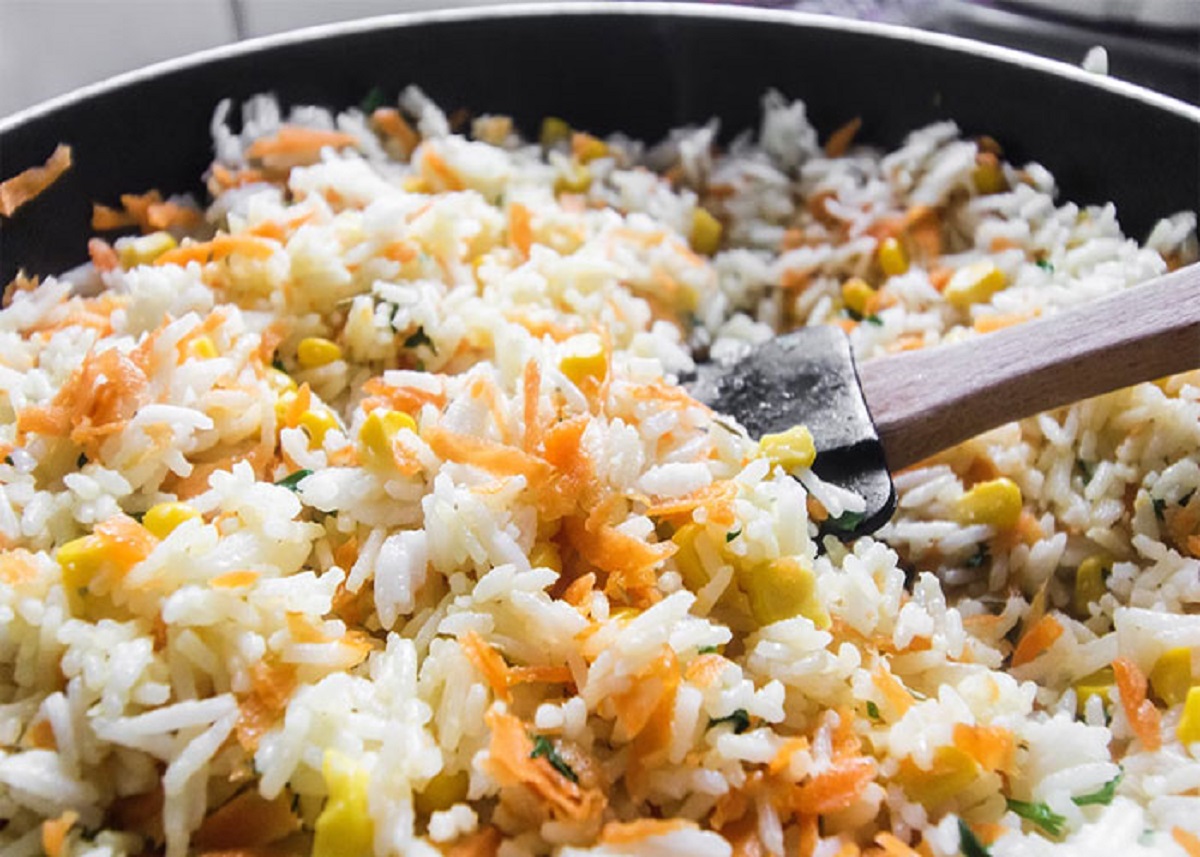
<point>1036,640</point>
<point>991,746</point>
<point>482,843</point>
<point>520,228</point>
<point>489,663</point>
<point>293,140</point>
<point>54,833</point>
<point>27,185</point>
<point>893,847</point>
<point>840,140</point>
<point>836,787</point>
<point>103,256</point>
<point>1144,718</point>
<point>1187,840</point>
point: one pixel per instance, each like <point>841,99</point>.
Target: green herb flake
<point>1160,506</point>
<point>874,319</point>
<point>873,710</point>
<point>847,522</point>
<point>968,842</point>
<point>739,720</point>
<point>373,100</point>
<point>542,747</point>
<point>1039,814</point>
<point>278,366</point>
<point>1085,470</point>
<point>1101,797</point>
<point>1046,265</point>
<point>731,535</point>
<point>853,314</point>
<point>708,650</point>
<point>416,340</point>
<point>8,460</point>
<point>978,558</point>
<point>1187,498</point>
<point>293,479</point>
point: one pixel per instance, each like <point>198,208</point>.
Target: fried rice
<point>361,512</point>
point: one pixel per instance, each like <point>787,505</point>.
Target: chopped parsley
<point>732,534</point>
<point>416,340</point>
<point>1039,814</point>
<point>978,558</point>
<point>1046,265</point>
<point>293,479</point>
<point>739,720</point>
<point>278,366</point>
<point>874,319</point>
<point>373,100</point>
<point>1160,506</point>
<point>542,747</point>
<point>1187,498</point>
<point>1085,470</point>
<point>8,460</point>
<point>708,650</point>
<point>1103,796</point>
<point>847,522</point>
<point>968,842</point>
<point>872,710</point>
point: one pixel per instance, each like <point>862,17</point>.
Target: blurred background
<point>48,47</point>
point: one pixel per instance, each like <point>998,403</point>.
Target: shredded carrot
<point>835,788</point>
<point>1186,840</point>
<point>399,251</point>
<point>579,593</point>
<point>816,511</point>
<point>243,245</point>
<point>27,185</point>
<point>186,254</point>
<point>629,562</point>
<point>482,843</point>
<point>246,821</point>
<point>389,122</point>
<point>435,166</point>
<point>840,140</point>
<point>939,277</point>
<point>991,746</point>
<point>893,847</point>
<point>1144,718</point>
<point>493,457</point>
<point>795,279</point>
<point>103,256</point>
<point>705,669</point>
<point>1036,640</point>
<point>783,756</point>
<point>1001,243</point>
<point>992,323</point>
<point>512,763</point>
<point>636,706</point>
<point>407,399</point>
<point>810,834</point>
<point>271,688</point>
<point>894,692</point>
<point>295,141</point>
<point>630,832</point>
<point>41,735</point>
<point>520,228</point>
<point>54,833</point>
<point>717,499</point>
<point>849,849</point>
<point>988,833</point>
<point>234,579</point>
<point>488,662</point>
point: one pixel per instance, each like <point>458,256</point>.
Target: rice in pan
<point>370,519</point>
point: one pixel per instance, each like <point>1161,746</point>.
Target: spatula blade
<point>808,377</point>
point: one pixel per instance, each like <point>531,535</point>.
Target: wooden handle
<point>926,401</point>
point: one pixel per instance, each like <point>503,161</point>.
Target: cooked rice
<point>517,593</point>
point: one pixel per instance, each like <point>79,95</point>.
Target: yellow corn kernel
<point>855,294</point>
<point>988,175</point>
<point>554,131</point>
<point>577,179</point>
<point>162,519</point>
<point>1189,724</point>
<point>80,559</point>
<point>974,284</point>
<point>316,351</point>
<point>317,424</point>
<point>344,826</point>
<point>706,232</point>
<point>442,792</point>
<point>781,589</point>
<point>1100,683</point>
<point>585,358</point>
<point>892,258</point>
<point>952,771</point>
<point>1171,677</point>
<point>996,502</point>
<point>587,148</point>
<point>279,381</point>
<point>144,249</point>
<point>282,405</point>
<point>792,449</point>
<point>545,555</point>
<point>375,436</point>
<point>687,560</point>
<point>201,348</point>
<point>415,184</point>
<point>1089,583</point>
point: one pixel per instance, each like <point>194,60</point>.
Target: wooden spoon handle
<point>923,402</point>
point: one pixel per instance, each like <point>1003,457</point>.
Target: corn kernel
<point>144,249</point>
<point>687,559</point>
<point>974,284</point>
<point>576,179</point>
<point>585,358</point>
<point>996,502</point>
<point>855,294</point>
<point>1171,677</point>
<point>344,826</point>
<point>375,436</point>
<point>892,258</point>
<point>791,450</point>
<point>316,351</point>
<point>201,348</point>
<point>415,184</point>
<point>280,381</point>
<point>317,424</point>
<point>1089,583</point>
<point>282,405</point>
<point>442,792</point>
<point>1100,683</point>
<point>952,771</point>
<point>545,555</point>
<point>162,519</point>
<point>988,175</point>
<point>706,232</point>
<point>781,589</point>
<point>1189,724</point>
<point>587,148</point>
<point>81,559</point>
<point>554,131</point>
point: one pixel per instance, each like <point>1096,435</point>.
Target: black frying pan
<point>640,68</point>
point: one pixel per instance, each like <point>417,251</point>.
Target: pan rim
<point>623,8</point>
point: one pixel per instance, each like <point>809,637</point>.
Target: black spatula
<point>894,411</point>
